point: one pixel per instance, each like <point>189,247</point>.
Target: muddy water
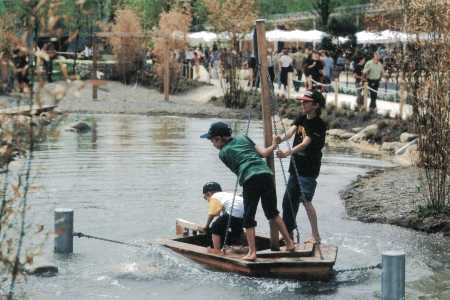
<point>134,175</point>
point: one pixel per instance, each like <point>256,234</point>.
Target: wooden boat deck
<point>308,262</point>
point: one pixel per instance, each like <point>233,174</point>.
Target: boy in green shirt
<point>244,158</point>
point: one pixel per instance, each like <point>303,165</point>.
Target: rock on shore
<point>390,196</point>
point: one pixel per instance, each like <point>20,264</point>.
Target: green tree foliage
<point>342,26</point>
<point>2,7</point>
<point>199,15</point>
<point>324,8</point>
<point>147,10</point>
<point>269,7</point>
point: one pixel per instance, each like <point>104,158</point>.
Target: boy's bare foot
<point>313,241</point>
<point>290,246</point>
<point>249,257</point>
<point>214,251</point>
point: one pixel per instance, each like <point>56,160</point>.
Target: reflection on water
<point>132,176</point>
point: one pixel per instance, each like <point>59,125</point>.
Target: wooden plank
<point>304,273</point>
<point>301,251</point>
<point>188,248</point>
<point>188,225</point>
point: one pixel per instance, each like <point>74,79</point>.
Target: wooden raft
<point>308,262</point>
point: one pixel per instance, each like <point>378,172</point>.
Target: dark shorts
<point>219,226</point>
<point>21,78</point>
<point>297,190</point>
<point>259,186</point>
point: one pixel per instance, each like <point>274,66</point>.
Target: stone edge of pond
<point>376,197</point>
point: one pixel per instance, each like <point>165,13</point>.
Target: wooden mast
<point>166,80</point>
<point>266,110</point>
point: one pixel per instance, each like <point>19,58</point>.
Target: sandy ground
<point>114,97</point>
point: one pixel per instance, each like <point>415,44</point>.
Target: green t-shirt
<point>240,156</point>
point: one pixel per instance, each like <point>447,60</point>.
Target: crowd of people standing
<point>311,68</point>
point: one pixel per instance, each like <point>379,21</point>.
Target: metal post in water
<point>63,230</point>
<point>393,275</point>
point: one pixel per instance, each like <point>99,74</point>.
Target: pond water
<point>134,175</point>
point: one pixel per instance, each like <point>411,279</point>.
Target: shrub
<point>171,36</point>
<point>127,44</point>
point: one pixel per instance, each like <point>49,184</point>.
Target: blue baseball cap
<point>217,129</point>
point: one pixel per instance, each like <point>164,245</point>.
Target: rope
<point>377,266</point>
<point>81,235</point>
<point>382,92</point>
<point>225,240</point>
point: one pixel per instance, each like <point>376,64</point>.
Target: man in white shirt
<point>286,67</point>
<point>220,205</point>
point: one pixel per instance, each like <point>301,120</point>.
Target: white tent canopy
<point>296,35</point>
<point>313,36</point>
<point>366,37</point>
<point>396,36</point>
<point>202,37</point>
<point>383,37</point>
<point>278,35</point>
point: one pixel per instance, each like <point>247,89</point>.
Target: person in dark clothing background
<point>20,61</point>
<point>315,68</point>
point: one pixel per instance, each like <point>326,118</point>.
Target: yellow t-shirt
<point>214,207</point>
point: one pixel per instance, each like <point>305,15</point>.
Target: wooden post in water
<point>365,94</point>
<point>289,85</point>
<point>166,72</point>
<point>266,111</point>
<point>403,95</point>
<point>94,67</point>
<point>336,91</point>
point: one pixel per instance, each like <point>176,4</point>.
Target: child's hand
<point>283,153</point>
